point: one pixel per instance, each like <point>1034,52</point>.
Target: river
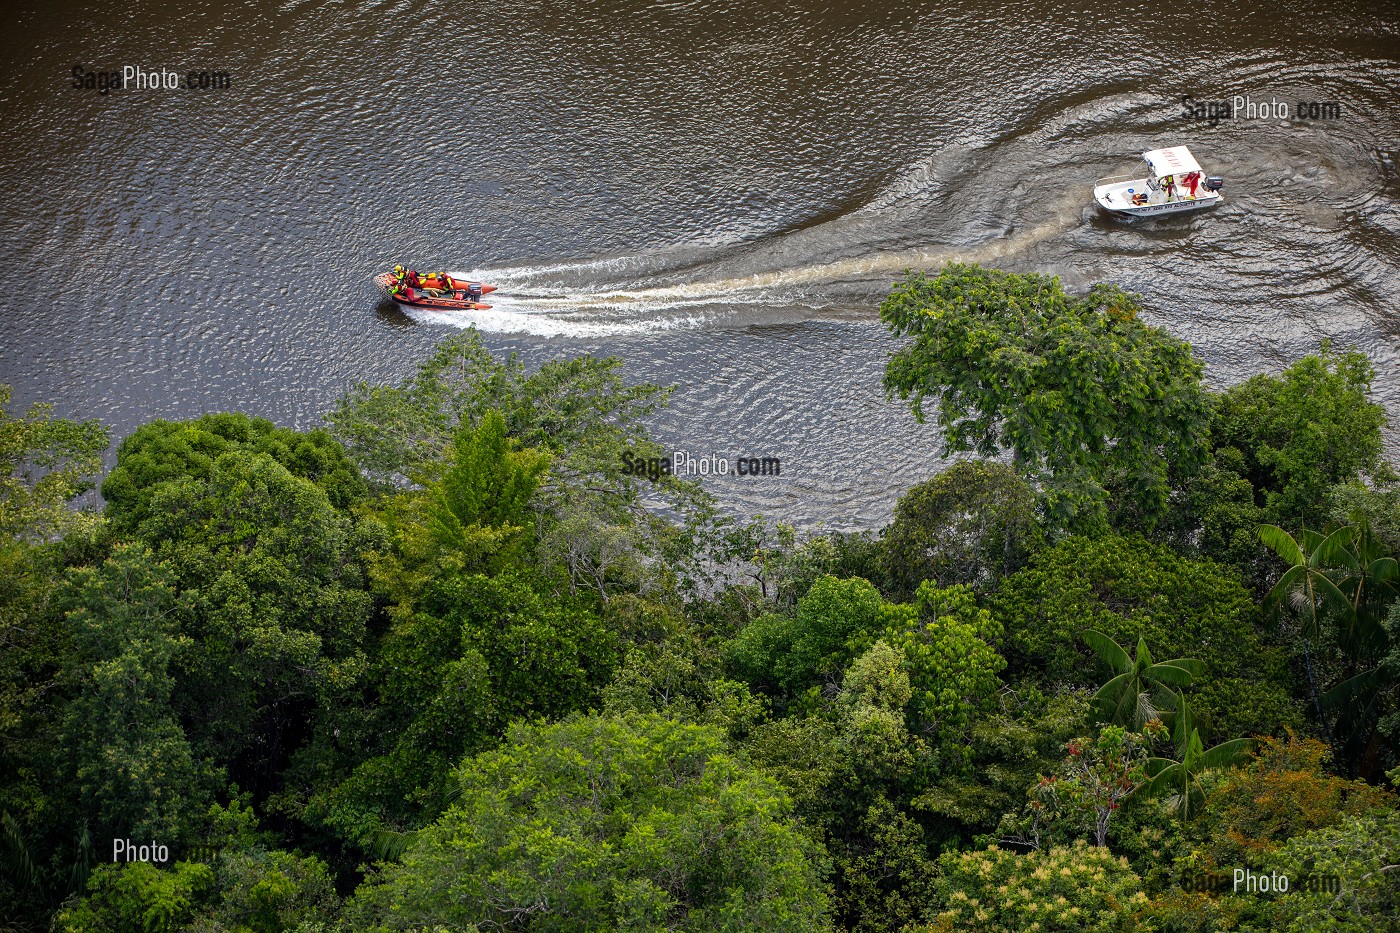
<point>719,192</point>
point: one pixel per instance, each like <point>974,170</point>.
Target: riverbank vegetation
<point>445,664</point>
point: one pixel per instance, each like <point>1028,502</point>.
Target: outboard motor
<point>1214,183</point>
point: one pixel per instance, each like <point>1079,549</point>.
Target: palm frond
<point>389,845</point>
<point>1178,673</point>
<point>1281,543</point>
<point>1348,691</point>
<point>1332,550</point>
<point>17,859</point>
<point>1109,650</point>
<point>1226,754</point>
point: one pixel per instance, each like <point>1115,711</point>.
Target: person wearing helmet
<point>399,272</point>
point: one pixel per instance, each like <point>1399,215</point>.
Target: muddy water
<point>718,192</point>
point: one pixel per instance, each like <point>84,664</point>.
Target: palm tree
<point>1139,689</point>
<point>1180,780</point>
<point>1308,589</point>
<point>1367,576</point>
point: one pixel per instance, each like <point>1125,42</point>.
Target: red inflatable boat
<point>455,299</point>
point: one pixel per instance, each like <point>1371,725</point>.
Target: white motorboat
<point>1174,183</point>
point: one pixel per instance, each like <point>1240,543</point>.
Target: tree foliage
<point>271,594</point>
<point>1070,888</point>
<point>376,670</point>
<point>973,523</point>
<point>947,643</point>
<point>171,451</point>
<point>1093,405</point>
<point>45,462</point>
<point>1302,432</point>
<point>790,653</point>
<point>639,823</point>
<point>1140,690</point>
<point>133,768</point>
<point>1128,588</point>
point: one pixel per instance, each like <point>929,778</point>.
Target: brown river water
<point>720,193</point>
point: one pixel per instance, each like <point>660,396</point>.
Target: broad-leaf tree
<point>973,523</point>
<point>1091,403</point>
<point>45,462</point>
<point>1128,588</point>
<point>597,823</point>
<point>161,452</point>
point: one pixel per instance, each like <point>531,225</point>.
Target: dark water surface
<point>719,192</point>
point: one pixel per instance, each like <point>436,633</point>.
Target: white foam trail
<point>541,310</point>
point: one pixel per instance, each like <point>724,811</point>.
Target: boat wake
<point>758,283</point>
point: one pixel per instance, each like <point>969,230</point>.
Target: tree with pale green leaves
<point>598,823</point>
<point>948,644</point>
<point>1095,406</point>
<point>45,463</point>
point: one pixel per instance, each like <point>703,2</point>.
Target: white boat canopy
<point>1174,161</point>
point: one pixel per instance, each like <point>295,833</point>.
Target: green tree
<point>487,484</point>
<point>592,526</point>
<point>1140,689</point>
<point>947,640</point>
<point>1280,445</point>
<point>870,709</point>
<point>973,523</point>
<point>1022,737</point>
<point>132,765</point>
<point>138,898</point>
<point>246,891</point>
<point>1302,432</point>
<point>477,653</point>
<point>787,654</point>
<point>1360,854</point>
<point>1365,702</point>
<point>847,764</point>
<point>1376,505</point>
<point>271,594</point>
<point>163,452</point>
<point>1095,406</point>
<point>600,823</point>
<point>1128,588</point>
<point>45,462</point>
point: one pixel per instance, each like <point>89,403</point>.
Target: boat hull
<point>1115,199</point>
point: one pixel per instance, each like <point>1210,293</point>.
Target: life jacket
<point>414,280</point>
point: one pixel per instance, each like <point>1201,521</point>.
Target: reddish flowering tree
<point>1093,780</point>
